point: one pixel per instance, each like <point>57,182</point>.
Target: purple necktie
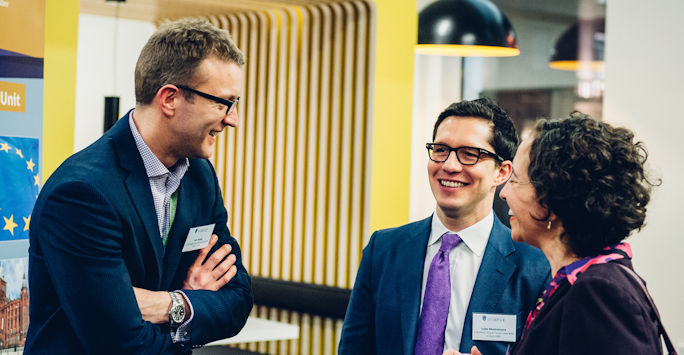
<point>436,301</point>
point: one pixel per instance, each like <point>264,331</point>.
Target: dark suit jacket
<point>383,313</point>
<point>603,312</point>
<point>94,235</point>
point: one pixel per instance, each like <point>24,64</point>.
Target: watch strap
<point>176,303</point>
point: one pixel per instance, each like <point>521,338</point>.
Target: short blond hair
<point>175,51</point>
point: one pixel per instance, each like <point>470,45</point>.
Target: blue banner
<point>20,180</point>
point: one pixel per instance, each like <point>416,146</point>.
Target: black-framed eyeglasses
<point>230,104</point>
<point>439,153</point>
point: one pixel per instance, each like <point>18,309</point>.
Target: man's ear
<point>166,99</point>
<point>504,171</point>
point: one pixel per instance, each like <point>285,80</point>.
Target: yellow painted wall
<point>397,30</point>
<point>61,37</point>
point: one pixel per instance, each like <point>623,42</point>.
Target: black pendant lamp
<point>465,28</point>
<point>580,47</point>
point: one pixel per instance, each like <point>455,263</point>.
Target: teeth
<point>212,133</point>
<point>510,212</point>
<point>451,183</point>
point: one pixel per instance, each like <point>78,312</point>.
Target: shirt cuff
<point>180,334</point>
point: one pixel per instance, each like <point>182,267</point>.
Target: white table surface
<point>259,329</point>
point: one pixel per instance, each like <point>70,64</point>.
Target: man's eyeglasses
<point>439,153</point>
<point>230,104</point>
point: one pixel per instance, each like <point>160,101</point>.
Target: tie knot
<point>449,241</point>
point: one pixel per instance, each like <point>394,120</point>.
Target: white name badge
<point>494,327</point>
<point>198,237</point>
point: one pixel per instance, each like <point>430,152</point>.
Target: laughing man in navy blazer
<point>490,276</point>
<point>108,274</point>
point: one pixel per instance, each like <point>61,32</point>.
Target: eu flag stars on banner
<point>19,185</point>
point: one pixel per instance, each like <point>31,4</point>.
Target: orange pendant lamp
<point>580,47</point>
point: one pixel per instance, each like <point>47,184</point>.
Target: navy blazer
<point>94,235</point>
<point>383,313</point>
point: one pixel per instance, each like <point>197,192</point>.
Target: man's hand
<point>473,351</point>
<point>154,305</point>
<point>217,271</point>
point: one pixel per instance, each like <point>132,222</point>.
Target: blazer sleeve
<point>221,314</point>
<point>81,243</point>
<point>358,331</point>
<point>601,317</point>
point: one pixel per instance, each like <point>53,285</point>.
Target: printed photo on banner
<point>14,302</point>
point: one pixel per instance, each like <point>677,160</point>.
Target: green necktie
<point>173,203</point>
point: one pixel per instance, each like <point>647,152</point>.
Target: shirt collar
<point>153,166</point>
<point>475,237</point>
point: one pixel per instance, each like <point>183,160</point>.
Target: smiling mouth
<point>213,133</point>
<point>449,183</point>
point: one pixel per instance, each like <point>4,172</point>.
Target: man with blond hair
<point>112,266</point>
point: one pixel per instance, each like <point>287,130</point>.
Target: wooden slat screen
<point>296,172</point>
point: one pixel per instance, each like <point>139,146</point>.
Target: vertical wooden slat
<point>300,160</point>
<point>242,204</point>
<point>305,340</point>
<point>278,152</point>
<point>262,345</point>
<point>251,121</point>
<point>311,148</point>
<point>333,139</point>
<point>328,336</point>
<point>272,346</point>
<point>295,345</point>
<point>345,207</point>
<point>322,176</point>
<point>316,335</point>
<point>258,139</point>
<point>355,258</point>
<point>268,143</point>
<point>298,22</point>
<point>349,248</point>
<point>338,334</point>
<point>284,345</point>
<point>233,25</point>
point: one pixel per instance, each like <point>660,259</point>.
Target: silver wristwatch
<point>177,310</point>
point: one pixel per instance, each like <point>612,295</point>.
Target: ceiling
<point>157,10</point>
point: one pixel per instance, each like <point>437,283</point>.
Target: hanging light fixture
<point>465,28</point>
<point>580,47</point>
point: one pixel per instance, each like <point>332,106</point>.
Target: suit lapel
<point>177,235</point>
<point>492,278</point>
<point>410,256</point>
<point>137,184</point>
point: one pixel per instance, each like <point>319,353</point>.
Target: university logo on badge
<point>484,317</point>
<point>20,176</point>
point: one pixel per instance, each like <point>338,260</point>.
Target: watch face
<point>178,313</point>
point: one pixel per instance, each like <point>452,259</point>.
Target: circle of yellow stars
<point>9,222</point>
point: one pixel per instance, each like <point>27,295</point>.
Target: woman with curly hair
<point>578,189</point>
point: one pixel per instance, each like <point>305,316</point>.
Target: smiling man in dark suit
<point>454,279</point>
<point>110,268</point>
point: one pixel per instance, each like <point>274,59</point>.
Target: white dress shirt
<point>464,263</point>
<point>163,183</point>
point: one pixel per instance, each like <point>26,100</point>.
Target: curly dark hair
<point>591,175</point>
<point>504,139</point>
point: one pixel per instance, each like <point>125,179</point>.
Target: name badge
<point>198,237</point>
<point>494,327</point>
